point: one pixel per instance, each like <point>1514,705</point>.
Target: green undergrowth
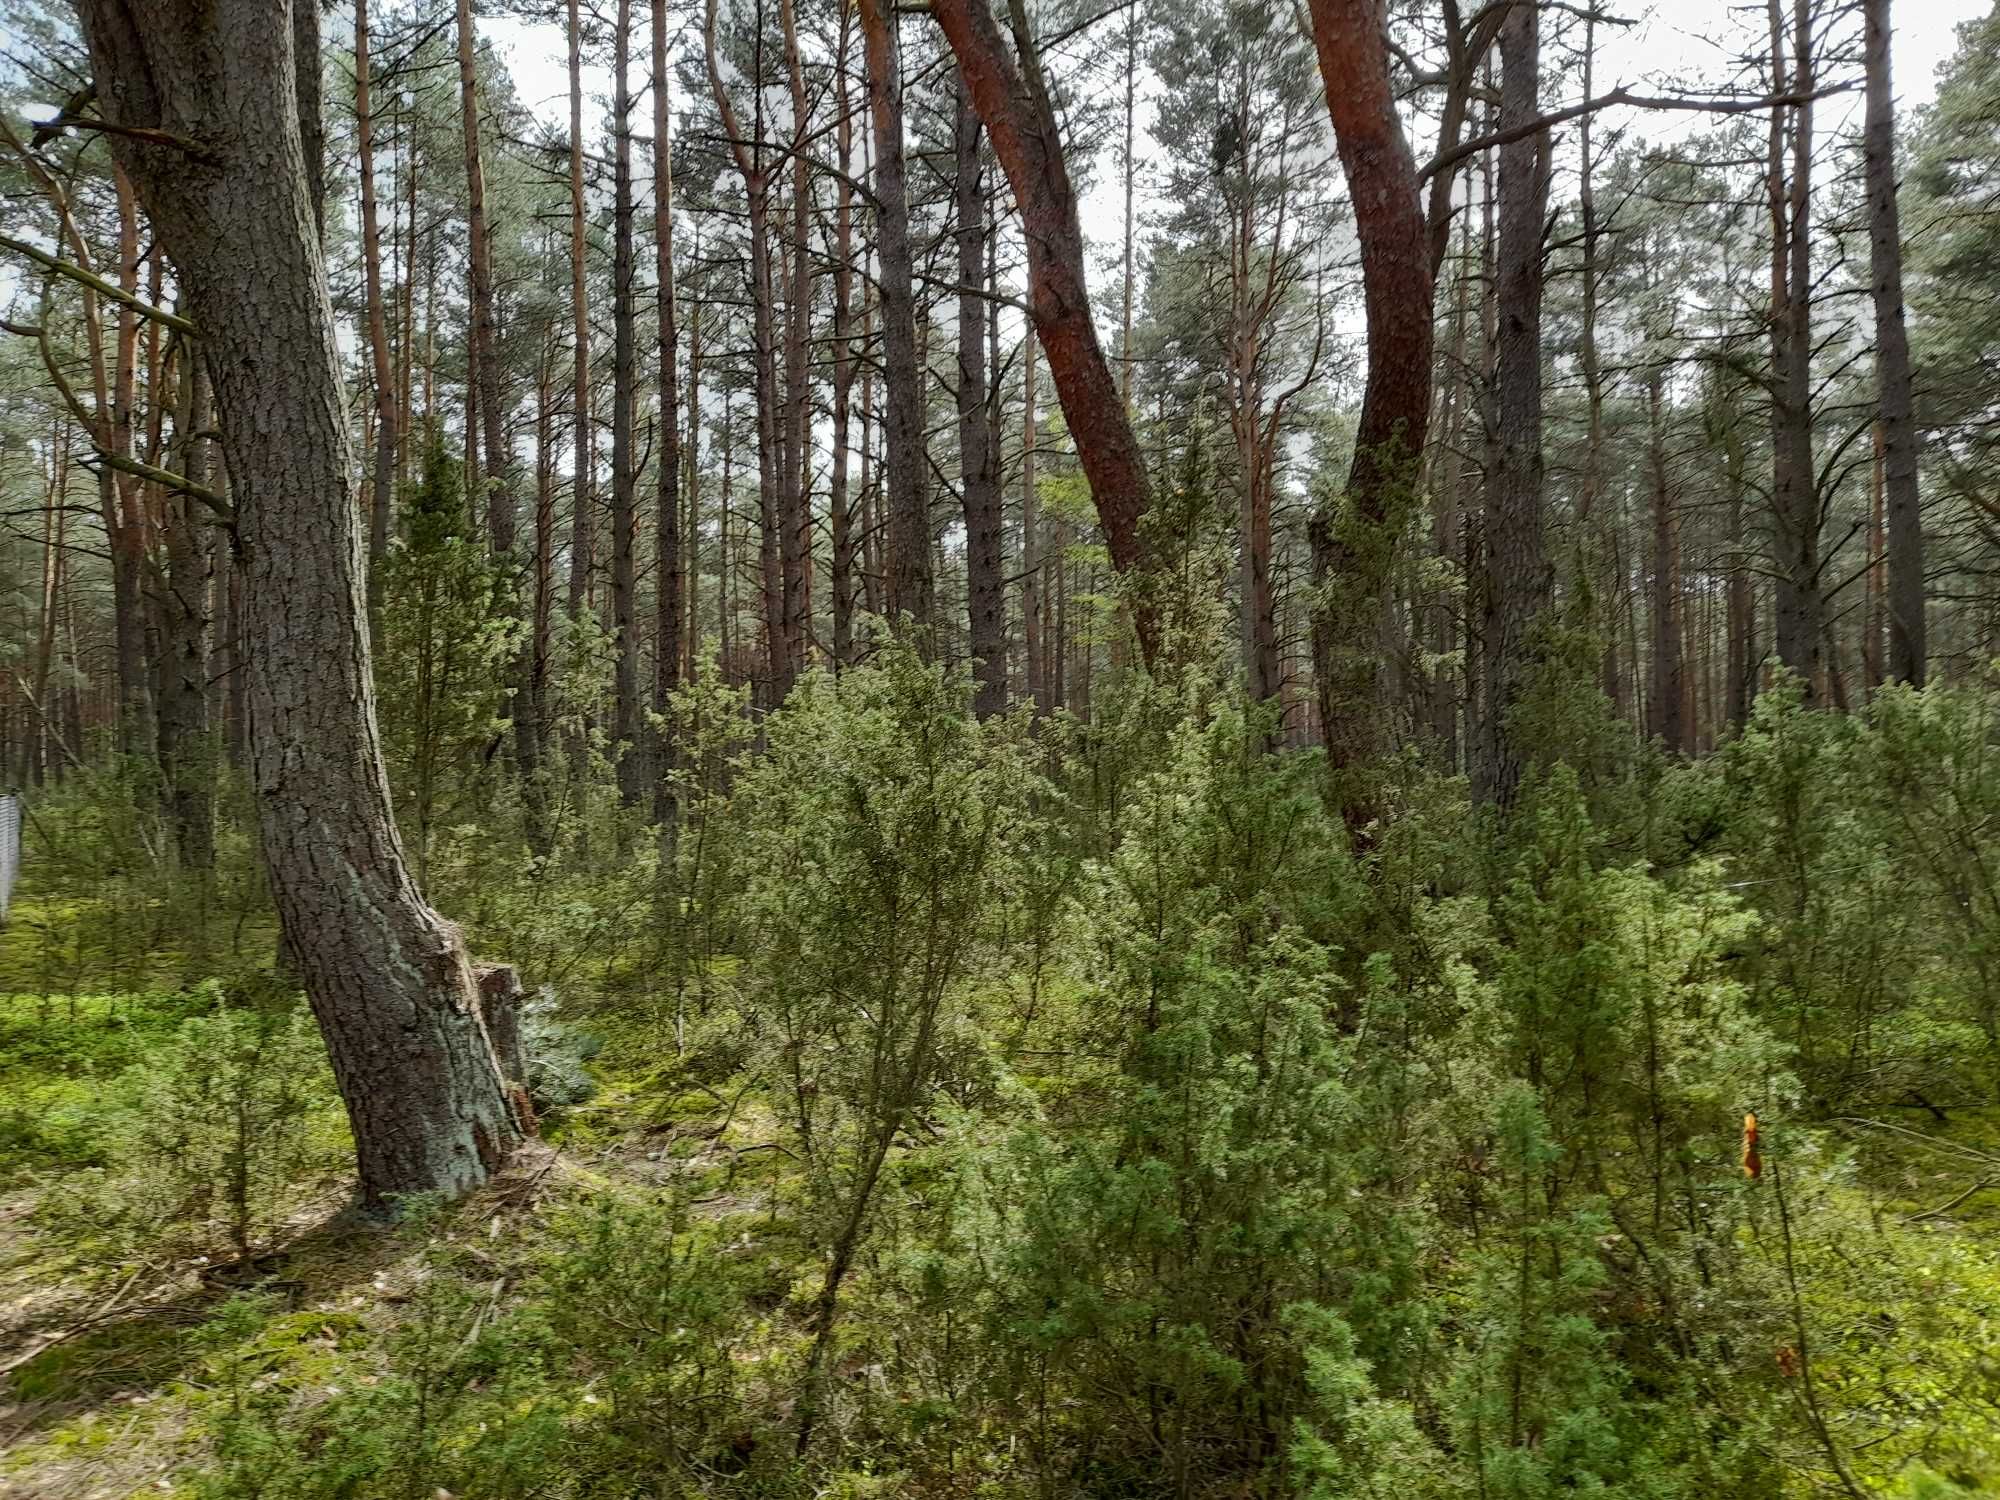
<point>1006,1111</point>
<point>640,1305</point>
<point>59,1054</point>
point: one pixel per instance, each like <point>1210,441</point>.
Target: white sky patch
<point>1671,45</point>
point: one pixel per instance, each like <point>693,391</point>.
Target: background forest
<point>1190,749</point>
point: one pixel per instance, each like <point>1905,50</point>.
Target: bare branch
<point>97,284</point>
<point>1625,97</point>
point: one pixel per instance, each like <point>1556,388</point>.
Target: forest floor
<point>109,1376</point>
<point>116,1364</point>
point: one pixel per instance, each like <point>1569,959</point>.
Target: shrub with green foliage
<point>225,1129</point>
<point>441,665</point>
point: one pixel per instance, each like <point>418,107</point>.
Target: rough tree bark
<point>795,447</point>
<point>668,563</point>
<point>497,469</point>
<point>1798,605</point>
<point>978,473</point>
<point>387,976</point>
<point>1020,119</point>
<point>1353,543</point>
<point>909,579</point>
<point>1520,580</point>
<point>748,153</point>
<point>1032,592</point>
<point>186,753</point>
<point>1669,721</point>
<point>627,728</point>
<point>840,505</point>
<point>126,516</point>
<point>1892,359</point>
<point>582,444</point>
<point>382,497</point>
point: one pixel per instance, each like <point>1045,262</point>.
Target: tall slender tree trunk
<point>869,508</point>
<point>910,584</point>
<point>840,505</point>
<point>542,601</point>
<point>496,460</point>
<point>1799,604</point>
<point>1447,527</point>
<point>124,513</point>
<point>583,444</point>
<point>748,153</point>
<point>186,756</point>
<point>1669,668</point>
<point>1248,314</point>
<point>627,727</point>
<point>55,515</point>
<point>1874,583</point>
<point>1905,523</point>
<point>1519,578</point>
<point>496,471</point>
<point>978,467</point>
<point>691,480</point>
<point>382,496</point>
<point>1033,589</point>
<point>1593,566</point>
<point>1013,101</point>
<point>1131,181</point>
<point>669,562</point>
<point>728,589</point>
<point>1741,649</point>
<point>406,343</point>
<point>1354,549</point>
<point>795,541</point>
<point>388,978</point>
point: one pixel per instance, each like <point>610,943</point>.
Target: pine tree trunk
<point>583,444</point>
<point>498,501</point>
<point>691,480</point>
<point>382,497</point>
<point>748,154</point>
<point>541,623</point>
<point>1033,589</point>
<point>909,580</point>
<point>124,513</point>
<point>1740,649</point>
<point>1669,669</point>
<point>795,540</point>
<point>186,756</point>
<point>840,504</point>
<point>627,728</point>
<point>388,978</point>
<point>1351,558</point>
<point>1905,523</point>
<point>669,563</point>
<point>1131,182</point>
<point>979,472</point>
<point>1014,104</point>
<point>1519,578</point>
<point>55,515</point>
<point>1799,605</point>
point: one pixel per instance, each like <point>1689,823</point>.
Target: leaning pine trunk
<point>1353,548</point>
<point>1014,105</point>
<point>387,976</point>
